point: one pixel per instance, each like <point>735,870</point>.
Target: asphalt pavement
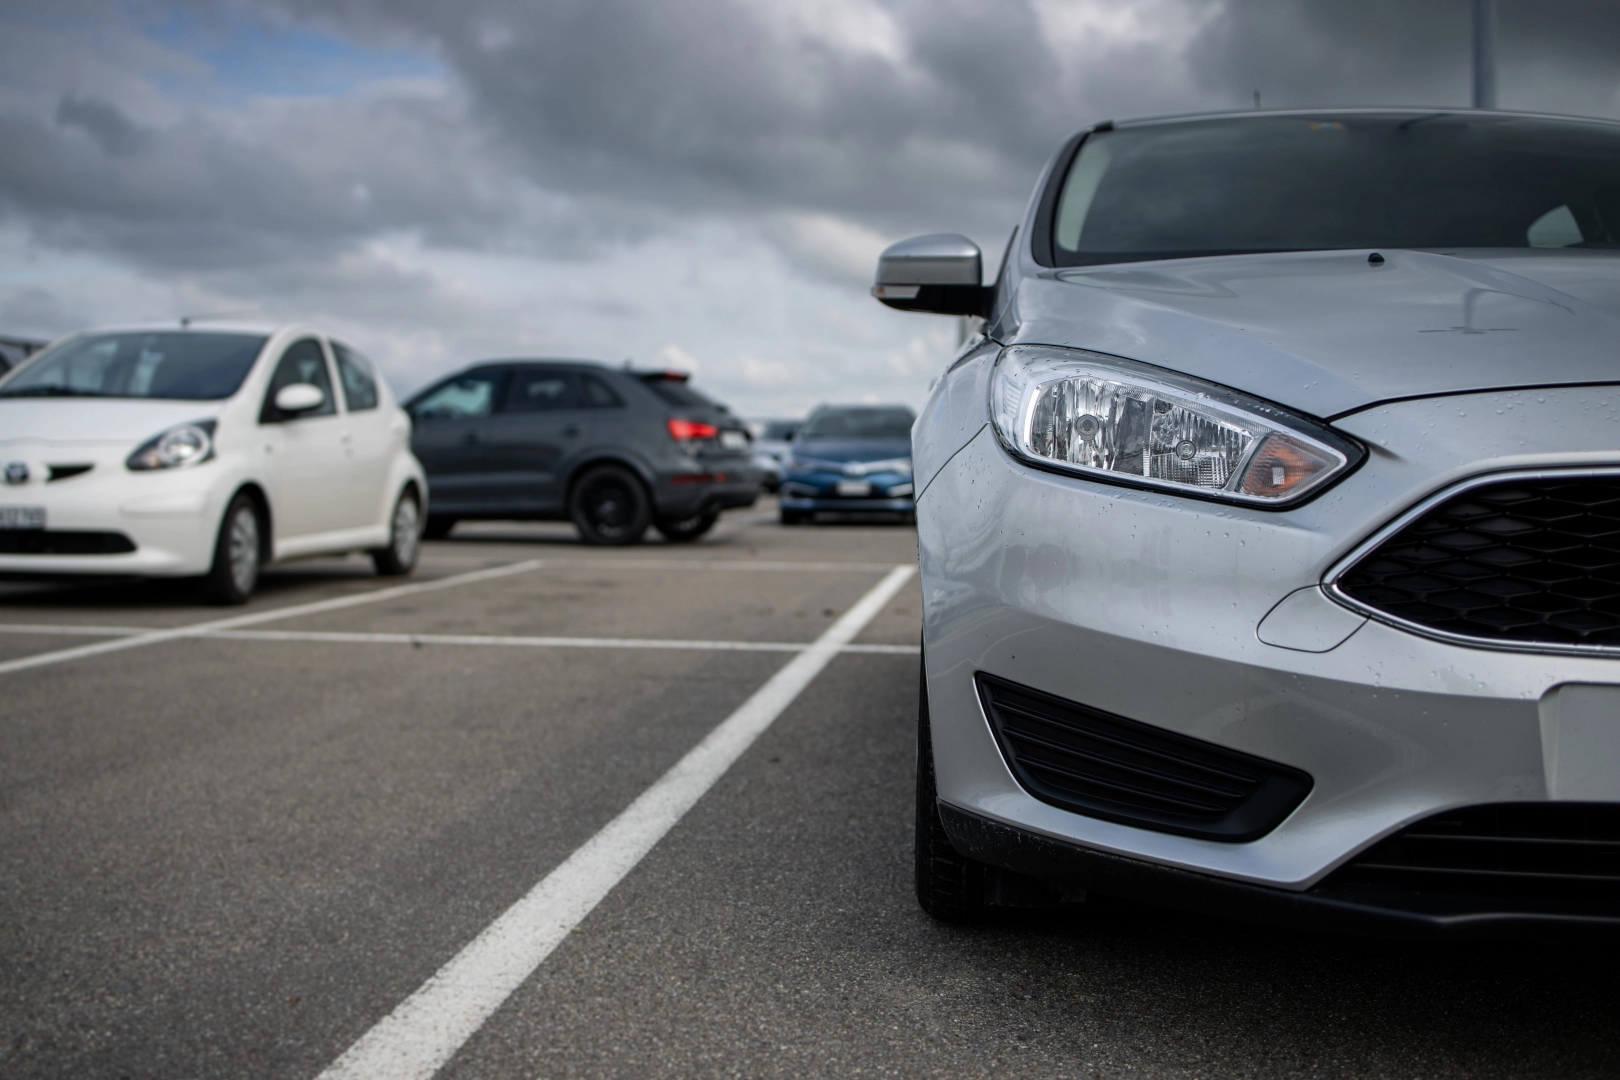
<point>545,810</point>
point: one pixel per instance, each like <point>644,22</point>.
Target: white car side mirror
<point>300,397</point>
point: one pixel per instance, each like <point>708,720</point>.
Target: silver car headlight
<point>1113,419</point>
<point>176,448</point>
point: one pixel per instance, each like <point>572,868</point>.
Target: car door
<point>370,437</point>
<point>543,424</point>
<point>304,450</point>
<point>449,424</point>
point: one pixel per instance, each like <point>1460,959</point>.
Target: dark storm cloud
<point>573,123</point>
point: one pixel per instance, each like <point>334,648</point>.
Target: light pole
<point>1484,54</point>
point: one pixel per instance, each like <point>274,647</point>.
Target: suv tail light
<point>687,430</point>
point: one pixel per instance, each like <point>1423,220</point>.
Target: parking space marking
<point>314,607</point>
<point>693,564</point>
<point>351,637</point>
<point>424,1032</point>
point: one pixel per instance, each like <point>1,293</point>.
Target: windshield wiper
<point>51,391</point>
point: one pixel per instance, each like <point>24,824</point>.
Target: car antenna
<point>187,320</point>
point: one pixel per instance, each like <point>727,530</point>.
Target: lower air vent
<point>1518,856</point>
<point>66,472</point>
<point>63,542</point>
<point>1105,766</point>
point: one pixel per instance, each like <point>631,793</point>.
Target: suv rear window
<point>677,392</point>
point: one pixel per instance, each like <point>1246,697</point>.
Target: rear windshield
<point>677,392</point>
<point>1293,183</point>
<point>878,423</point>
<point>174,365</point>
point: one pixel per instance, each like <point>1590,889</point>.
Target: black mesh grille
<point>63,542</point>
<point>1526,856</point>
<point>1106,766</point>
<point>1533,561</point>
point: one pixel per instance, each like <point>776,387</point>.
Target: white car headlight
<point>1113,419</point>
<point>176,448</point>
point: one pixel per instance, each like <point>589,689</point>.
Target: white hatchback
<point>203,452</point>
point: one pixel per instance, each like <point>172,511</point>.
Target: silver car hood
<point>1328,332</point>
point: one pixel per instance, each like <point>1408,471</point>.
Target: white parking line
<point>337,603</point>
<point>348,637</point>
<point>424,1032</point>
<point>690,564</point>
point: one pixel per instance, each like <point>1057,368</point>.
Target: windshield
<point>1292,183</point>
<point>779,430</point>
<point>175,365</point>
<point>878,423</point>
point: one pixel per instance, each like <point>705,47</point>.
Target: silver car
<point>1270,534</point>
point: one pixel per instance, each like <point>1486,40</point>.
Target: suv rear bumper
<point>681,495</point>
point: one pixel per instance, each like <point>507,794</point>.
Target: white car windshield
<point>175,365</point>
<point>1298,183</point>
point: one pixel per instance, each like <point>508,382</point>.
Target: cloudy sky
<point>697,183</point>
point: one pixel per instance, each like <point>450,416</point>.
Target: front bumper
<point>1151,607</point>
<point>810,491</point>
<point>171,518</point>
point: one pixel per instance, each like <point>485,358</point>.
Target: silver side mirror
<point>940,273</point>
<point>300,397</point>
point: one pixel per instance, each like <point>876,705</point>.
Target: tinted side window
<point>542,391</point>
<point>598,394</point>
<point>303,362</point>
<point>355,372</point>
<point>464,397</point>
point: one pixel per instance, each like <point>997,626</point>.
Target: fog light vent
<point>1109,767</point>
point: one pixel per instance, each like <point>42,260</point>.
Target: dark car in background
<point>849,458</point>
<point>614,451</point>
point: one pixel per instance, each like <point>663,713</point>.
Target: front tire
<point>685,530</point>
<point>610,507</point>
<point>404,539</point>
<point>792,517</point>
<point>950,887</point>
<point>237,553</point>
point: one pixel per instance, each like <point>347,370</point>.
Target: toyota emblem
<point>17,472</point>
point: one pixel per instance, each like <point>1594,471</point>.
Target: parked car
<point>182,451</point>
<point>849,458</point>
<point>771,443</point>
<point>1268,534</point>
<point>613,451</point>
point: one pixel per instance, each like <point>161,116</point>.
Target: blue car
<point>849,458</point>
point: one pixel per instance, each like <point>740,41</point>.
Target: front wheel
<point>610,507</point>
<point>950,887</point>
<point>793,517</point>
<point>404,539</point>
<point>235,570</point>
<point>685,530</point>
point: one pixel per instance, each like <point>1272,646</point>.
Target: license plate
<point>22,517</point>
<point>854,488</point>
<point>733,440</point>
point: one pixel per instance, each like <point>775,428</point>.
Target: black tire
<point>609,506</point>
<point>792,517</point>
<point>950,887</point>
<point>404,538</point>
<point>438,528</point>
<point>685,530</point>
<point>238,551</point>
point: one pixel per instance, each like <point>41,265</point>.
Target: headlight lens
<point>1102,416</point>
<point>176,448</point>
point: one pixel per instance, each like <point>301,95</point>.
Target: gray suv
<point>613,451</point>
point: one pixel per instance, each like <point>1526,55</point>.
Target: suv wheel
<point>950,887</point>
<point>684,530</point>
<point>609,506</point>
